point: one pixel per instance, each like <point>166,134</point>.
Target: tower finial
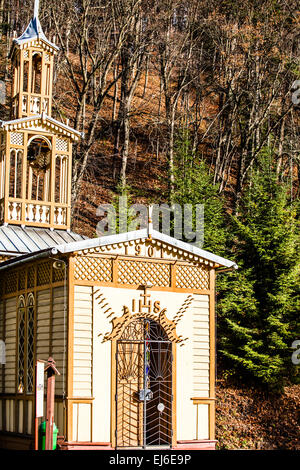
<point>36,8</point>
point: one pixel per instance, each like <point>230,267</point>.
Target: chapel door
<point>144,386</point>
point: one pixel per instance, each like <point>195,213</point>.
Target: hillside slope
<point>247,418</point>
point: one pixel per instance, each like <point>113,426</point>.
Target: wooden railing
<point>32,104</point>
<point>31,212</point>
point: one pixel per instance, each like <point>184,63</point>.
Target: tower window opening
<point>15,183</point>
<point>25,75</point>
<point>39,158</point>
<point>61,179</point>
<point>36,73</point>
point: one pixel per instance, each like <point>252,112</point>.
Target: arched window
<point>38,174</point>
<point>21,344</point>
<point>36,73</point>
<point>26,317</point>
<point>25,75</point>
<point>61,179</point>
<point>30,342</point>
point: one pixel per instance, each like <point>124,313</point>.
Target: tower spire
<point>36,8</point>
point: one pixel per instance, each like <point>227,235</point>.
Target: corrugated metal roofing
<point>38,242</point>
<point>18,240</point>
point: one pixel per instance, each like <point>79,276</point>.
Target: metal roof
<point>34,29</point>
<point>82,243</point>
<point>41,119</point>
<point>144,234</point>
<point>16,240</point>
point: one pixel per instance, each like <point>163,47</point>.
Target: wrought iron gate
<point>144,386</point>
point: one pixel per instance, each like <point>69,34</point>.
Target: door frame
<point>113,421</point>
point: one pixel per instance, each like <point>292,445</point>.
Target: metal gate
<point>144,386</point>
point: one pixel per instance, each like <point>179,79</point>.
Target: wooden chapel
<point>128,318</point>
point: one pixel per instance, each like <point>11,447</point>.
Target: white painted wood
<point>10,345</point>
<point>203,421</point>
<point>83,305</point>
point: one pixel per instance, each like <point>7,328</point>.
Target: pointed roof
<point>34,31</point>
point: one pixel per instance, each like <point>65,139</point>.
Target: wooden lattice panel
<point>22,279</point>
<point>143,272</point>
<point>93,269</point>
<point>58,275</point>
<point>31,276</point>
<point>43,273</point>
<point>62,144</point>
<point>11,282</point>
<point>192,277</point>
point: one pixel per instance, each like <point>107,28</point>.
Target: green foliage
<point>259,304</point>
<point>125,192</point>
<point>194,185</point>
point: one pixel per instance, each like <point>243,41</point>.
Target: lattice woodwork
<point>43,273</point>
<point>58,275</point>
<point>17,138</point>
<point>93,269</point>
<point>62,144</point>
<point>143,272</point>
<point>11,282</point>
<point>21,344</point>
<point>22,279</point>
<point>192,277</point>
<point>31,277</point>
<point>130,272</point>
<point>30,342</point>
<point>15,281</point>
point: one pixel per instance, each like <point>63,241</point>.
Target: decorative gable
<point>149,248</point>
<point>40,123</point>
<point>143,262</point>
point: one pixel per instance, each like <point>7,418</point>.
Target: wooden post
<point>51,372</point>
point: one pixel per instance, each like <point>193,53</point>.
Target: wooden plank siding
<point>83,347</point>
<point>51,336</point>
<point>200,346</point>
<point>10,343</point>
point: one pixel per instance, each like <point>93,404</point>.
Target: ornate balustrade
<point>31,104</point>
<point>30,212</point>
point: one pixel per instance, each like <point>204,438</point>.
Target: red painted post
<point>51,371</point>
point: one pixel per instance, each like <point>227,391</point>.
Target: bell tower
<point>32,60</point>
<point>35,149</point>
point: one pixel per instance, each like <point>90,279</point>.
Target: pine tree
<point>194,185</point>
<point>259,305</point>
